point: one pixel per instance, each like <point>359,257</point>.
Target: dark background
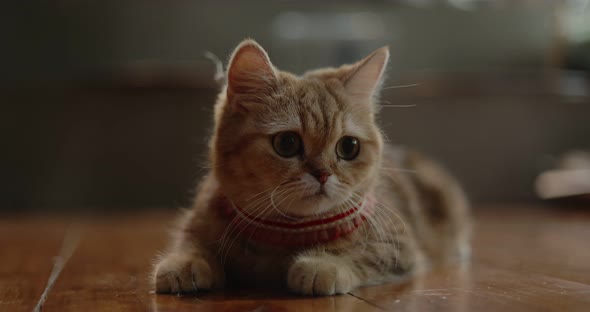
<point>106,105</point>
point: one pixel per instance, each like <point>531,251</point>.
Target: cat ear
<point>250,71</point>
<point>365,79</point>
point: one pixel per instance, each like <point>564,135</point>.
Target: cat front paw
<point>320,277</point>
<point>182,274</point>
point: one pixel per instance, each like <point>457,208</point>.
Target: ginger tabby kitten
<point>304,193</point>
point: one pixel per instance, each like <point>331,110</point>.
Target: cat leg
<point>324,272</point>
<point>321,275</point>
<point>183,272</point>
<point>188,267</point>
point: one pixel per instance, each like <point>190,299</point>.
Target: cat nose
<point>321,175</point>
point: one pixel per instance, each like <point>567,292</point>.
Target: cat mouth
<point>320,193</point>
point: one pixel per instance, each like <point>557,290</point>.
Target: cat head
<point>293,145</point>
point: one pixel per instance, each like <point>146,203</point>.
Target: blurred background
<point>106,105</point>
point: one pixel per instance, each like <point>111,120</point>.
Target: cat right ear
<point>250,71</point>
<point>364,83</point>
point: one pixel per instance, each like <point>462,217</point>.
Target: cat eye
<point>287,144</point>
<point>348,148</point>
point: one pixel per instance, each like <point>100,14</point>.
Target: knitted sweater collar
<point>296,232</point>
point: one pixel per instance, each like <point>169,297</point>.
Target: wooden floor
<point>525,259</point>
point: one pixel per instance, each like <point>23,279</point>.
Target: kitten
<point>304,193</point>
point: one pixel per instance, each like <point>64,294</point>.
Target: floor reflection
<point>448,287</point>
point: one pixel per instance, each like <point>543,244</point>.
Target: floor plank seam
<point>69,245</point>
<point>369,302</point>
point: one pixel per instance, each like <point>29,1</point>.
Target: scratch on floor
<point>368,302</point>
<point>68,246</point>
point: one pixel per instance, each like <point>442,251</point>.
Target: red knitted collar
<point>304,232</point>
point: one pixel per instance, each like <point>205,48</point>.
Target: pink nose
<point>322,175</point>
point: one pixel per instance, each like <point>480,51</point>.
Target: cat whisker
<point>260,214</point>
<point>342,196</point>
<point>291,194</point>
<point>237,235</point>
<point>388,104</point>
<point>399,105</point>
<point>402,86</point>
<point>384,135</point>
<point>267,190</point>
<point>254,208</point>
<point>399,169</point>
<point>300,191</point>
<point>278,210</point>
<point>385,213</point>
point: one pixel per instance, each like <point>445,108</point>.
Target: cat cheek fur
<point>415,216</point>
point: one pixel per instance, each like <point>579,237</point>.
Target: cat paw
<point>182,274</point>
<point>320,277</point>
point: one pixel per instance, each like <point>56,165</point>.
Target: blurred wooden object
<point>571,178</point>
<point>525,259</point>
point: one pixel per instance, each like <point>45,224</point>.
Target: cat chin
<point>310,205</point>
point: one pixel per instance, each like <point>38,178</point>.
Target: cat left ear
<point>366,77</point>
<point>250,71</point>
